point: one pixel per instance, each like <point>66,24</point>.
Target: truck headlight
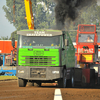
<point>55,72</point>
<point>20,71</point>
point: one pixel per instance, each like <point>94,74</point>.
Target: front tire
<point>72,78</point>
<point>21,82</point>
<point>71,81</point>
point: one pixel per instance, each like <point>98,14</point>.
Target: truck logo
<point>38,53</point>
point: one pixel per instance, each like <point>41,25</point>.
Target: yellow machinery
<point>29,14</point>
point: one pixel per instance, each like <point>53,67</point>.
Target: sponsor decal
<point>81,50</point>
<point>39,33</point>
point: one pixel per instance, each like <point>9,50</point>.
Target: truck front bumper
<point>39,73</point>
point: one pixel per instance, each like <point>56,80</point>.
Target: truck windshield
<point>86,38</point>
<point>38,41</point>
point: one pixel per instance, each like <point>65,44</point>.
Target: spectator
<point>89,39</point>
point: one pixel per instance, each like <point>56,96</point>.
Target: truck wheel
<point>98,81</point>
<point>62,82</point>
<point>21,82</point>
<point>37,84</point>
<point>72,78</point>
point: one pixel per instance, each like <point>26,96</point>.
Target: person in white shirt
<point>89,39</point>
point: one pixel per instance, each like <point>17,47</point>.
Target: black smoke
<point>69,9</point>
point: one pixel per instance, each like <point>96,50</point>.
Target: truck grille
<point>38,72</point>
<point>38,60</point>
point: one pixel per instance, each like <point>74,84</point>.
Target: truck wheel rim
<point>72,82</point>
<point>64,82</point>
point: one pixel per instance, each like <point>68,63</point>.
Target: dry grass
<point>7,77</point>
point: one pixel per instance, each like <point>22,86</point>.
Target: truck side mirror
<point>66,42</point>
<point>13,42</point>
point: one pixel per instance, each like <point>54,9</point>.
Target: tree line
<point>44,16</point>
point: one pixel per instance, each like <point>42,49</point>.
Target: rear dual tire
<point>72,78</point>
<point>71,81</point>
<point>62,82</point>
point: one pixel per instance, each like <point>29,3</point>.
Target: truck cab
<point>86,41</point>
<point>44,56</point>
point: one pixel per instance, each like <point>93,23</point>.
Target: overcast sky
<point>5,27</point>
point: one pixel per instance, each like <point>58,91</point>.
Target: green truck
<point>45,56</point>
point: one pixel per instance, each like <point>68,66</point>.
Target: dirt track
<point>10,91</point>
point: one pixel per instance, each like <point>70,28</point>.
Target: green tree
<point>14,35</point>
<point>40,12</point>
<point>4,38</point>
<point>20,22</point>
<point>44,15</point>
<point>98,13</point>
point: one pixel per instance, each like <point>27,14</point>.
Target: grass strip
<point>8,77</point>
